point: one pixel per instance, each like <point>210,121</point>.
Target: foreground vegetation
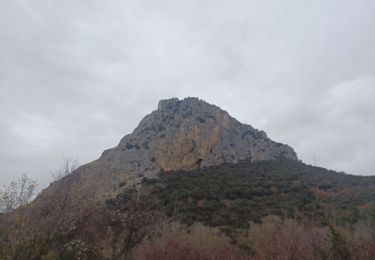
<point>250,210</point>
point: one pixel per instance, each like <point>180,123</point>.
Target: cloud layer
<point>76,76</point>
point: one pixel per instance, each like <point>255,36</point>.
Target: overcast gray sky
<point>76,76</point>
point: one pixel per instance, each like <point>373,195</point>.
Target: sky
<point>76,76</point>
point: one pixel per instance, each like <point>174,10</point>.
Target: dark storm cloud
<point>75,76</point>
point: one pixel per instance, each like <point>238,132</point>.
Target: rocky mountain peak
<point>179,135</point>
<point>174,104</point>
<point>189,111</point>
<point>190,133</point>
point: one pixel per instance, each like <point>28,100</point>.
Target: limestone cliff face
<point>180,134</point>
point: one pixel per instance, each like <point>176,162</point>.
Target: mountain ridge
<point>179,135</point>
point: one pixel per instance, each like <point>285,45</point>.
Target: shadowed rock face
<point>180,134</point>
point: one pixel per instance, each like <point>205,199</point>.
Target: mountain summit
<point>190,133</point>
<point>180,135</point>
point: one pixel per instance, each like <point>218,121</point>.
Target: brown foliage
<point>286,239</point>
<point>179,250</point>
<point>131,221</point>
<point>361,241</point>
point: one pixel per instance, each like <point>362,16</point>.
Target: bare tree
<point>68,166</point>
<point>132,218</point>
<point>289,239</point>
<point>17,194</point>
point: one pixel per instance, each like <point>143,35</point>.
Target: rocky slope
<point>180,134</point>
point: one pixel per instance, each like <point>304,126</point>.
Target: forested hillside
<point>231,195</point>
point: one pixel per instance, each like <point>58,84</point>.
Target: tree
<point>289,240</point>
<point>132,216</point>
<point>17,194</point>
<point>68,166</point>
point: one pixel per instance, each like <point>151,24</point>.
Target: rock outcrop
<point>179,135</point>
